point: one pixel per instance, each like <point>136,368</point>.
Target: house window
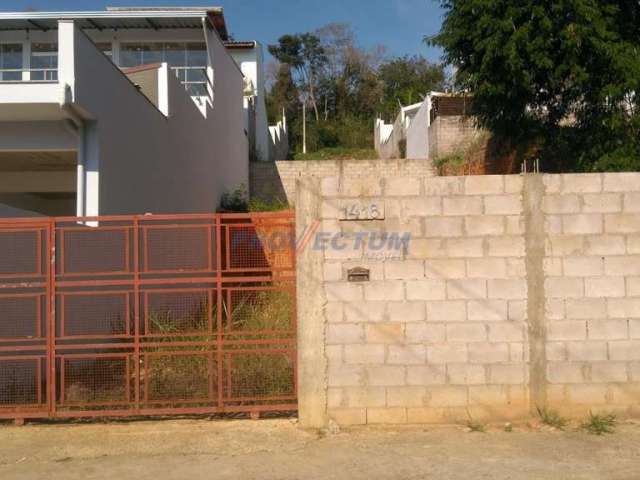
<point>11,62</point>
<point>106,48</point>
<point>44,62</point>
<point>187,60</point>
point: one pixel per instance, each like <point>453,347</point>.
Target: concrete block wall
<point>592,290</point>
<point>451,134</point>
<point>514,292</point>
<point>277,180</point>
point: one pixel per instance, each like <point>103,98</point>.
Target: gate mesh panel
<point>260,310</point>
<point>179,312</point>
<point>98,314</point>
<point>177,377</point>
<point>19,382</point>
<point>19,317</point>
<point>95,250</point>
<point>180,248</point>
<point>95,380</point>
<point>19,252</point>
<point>260,374</point>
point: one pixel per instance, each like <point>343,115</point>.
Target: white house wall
<point>417,133</point>
<point>147,162</point>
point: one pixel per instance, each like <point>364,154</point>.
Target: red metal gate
<point>147,315</point>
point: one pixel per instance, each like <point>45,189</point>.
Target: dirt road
<point>277,449</point>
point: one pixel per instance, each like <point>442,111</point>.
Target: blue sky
<point>397,24</point>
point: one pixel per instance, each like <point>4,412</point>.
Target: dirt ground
<point>278,449</point>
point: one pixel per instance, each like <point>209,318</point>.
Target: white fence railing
<point>28,75</point>
<point>194,79</point>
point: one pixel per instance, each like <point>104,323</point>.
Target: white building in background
<point>119,112</point>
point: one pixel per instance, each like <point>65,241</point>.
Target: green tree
<point>558,74</point>
<point>406,80</point>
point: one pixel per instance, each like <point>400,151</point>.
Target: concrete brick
<point>385,375</point>
<point>447,353</point>
<point>406,354</point>
<point>567,330</point>
<point>623,307</point>
<point>514,224</point>
<point>407,396</point>
<point>443,227</point>
<point>363,397</point>
<point>464,247</point>
<point>553,224</point>
<point>510,289</point>
<point>634,329</point>
<point>633,287</point>
<point>448,396</point>
<point>488,352</point>
<point>627,394</point>
<point>403,269</point>
<point>330,186</point>
<point>402,186</point>
<point>560,204</point>
<point>332,272</point>
<point>466,289</point>
<point>425,289</point>
<point>488,395</point>
<point>426,374</point>
<point>621,182</point>
<point>386,416</point>
<point>516,267</point>
<point>506,332</point>
<point>503,205</point>
<point>601,203</point>
<point>622,223</point>
<point>487,268</point>
<point>583,266</point>
<point>466,332</point>
<point>421,206</point>
<point>406,311</point>
<point>487,310</point>
<point>345,376</point>
<point>586,351</point>
<point>604,287</point>
<point>513,183</point>
<point>587,394</point>
<point>462,206</point>
<point>565,373</point>
<point>465,374</point>
<point>604,372</point>
<point>507,374</point>
<point>343,292</point>
<point>563,245</point>
<point>517,352</point>
<point>425,332</point>
<point>622,265</point>
<point>559,287</point>
<point>634,371</point>
<point>364,312</point>
<point>484,184</point>
<point>443,269</point>
<point>364,354</point>
<point>632,202</point>
<point>444,186</point>
<point>426,248</point>
<point>586,308</point>
<point>554,308</point>
<point>633,244</point>
<point>508,246</point>
<point>446,311</point>
<point>344,333</point>
<point>605,245</point>
<point>625,350</point>
<point>552,266</point>
<point>349,416</point>
<point>389,290</point>
<point>581,183</point>
<point>361,186</point>
<point>582,224</point>
<point>517,310</point>
<point>333,312</point>
<point>384,333</point>
<point>556,351</point>
<point>552,183</point>
<point>485,225</point>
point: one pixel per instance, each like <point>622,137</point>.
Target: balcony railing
<point>13,75</point>
<point>194,79</point>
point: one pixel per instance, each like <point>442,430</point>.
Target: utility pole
<point>304,126</point>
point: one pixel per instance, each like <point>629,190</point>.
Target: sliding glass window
<point>11,62</point>
<point>44,62</point>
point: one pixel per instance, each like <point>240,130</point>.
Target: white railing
<point>28,75</point>
<point>194,79</point>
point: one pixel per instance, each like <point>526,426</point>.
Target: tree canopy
<point>563,75</point>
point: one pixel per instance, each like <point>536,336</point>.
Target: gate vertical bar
<point>51,315</point>
<point>136,310</point>
<point>219,302</point>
